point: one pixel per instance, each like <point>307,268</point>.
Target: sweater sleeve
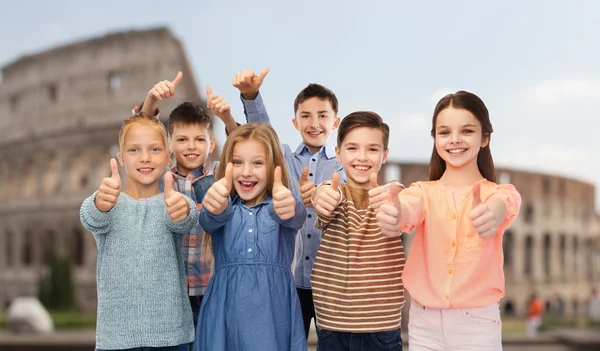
<point>508,194</point>
<point>186,225</point>
<point>93,219</point>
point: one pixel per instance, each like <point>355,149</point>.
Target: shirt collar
<point>326,150</point>
<point>238,200</point>
<point>194,173</point>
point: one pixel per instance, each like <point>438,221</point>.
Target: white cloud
<point>560,90</point>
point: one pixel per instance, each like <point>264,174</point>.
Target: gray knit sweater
<point>142,298</point>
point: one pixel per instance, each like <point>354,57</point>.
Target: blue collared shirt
<point>321,166</point>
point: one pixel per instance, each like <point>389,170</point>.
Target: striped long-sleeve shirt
<point>357,275</point>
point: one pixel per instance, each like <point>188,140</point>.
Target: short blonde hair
<point>142,120</point>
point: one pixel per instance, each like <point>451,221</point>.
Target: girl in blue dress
<point>251,301</point>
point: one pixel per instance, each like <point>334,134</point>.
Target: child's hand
<point>163,89</point>
<point>218,105</point>
<point>216,199</point>
<point>284,203</point>
<point>110,189</point>
<point>389,212</point>
<point>328,197</point>
<point>177,206</point>
<point>307,188</point>
<point>482,215</point>
<point>248,83</point>
<point>379,195</point>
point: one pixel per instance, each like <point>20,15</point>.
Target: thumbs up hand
<point>327,198</point>
<point>164,89</point>
<point>110,189</point>
<point>177,206</point>
<point>248,82</point>
<point>307,188</point>
<point>284,203</point>
<point>218,105</point>
<point>481,215</point>
<point>216,199</point>
<point>388,216</point>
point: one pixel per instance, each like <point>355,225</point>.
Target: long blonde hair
<point>267,137</point>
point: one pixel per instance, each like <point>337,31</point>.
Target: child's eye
<point>156,149</point>
<point>258,163</point>
<point>373,149</point>
<point>201,140</point>
<point>443,132</point>
<point>468,131</point>
<point>351,148</point>
<point>236,162</point>
<point>132,150</point>
<point>180,139</point>
<point>304,116</point>
<point>324,116</point>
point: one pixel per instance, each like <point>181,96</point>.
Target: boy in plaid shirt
<point>191,139</point>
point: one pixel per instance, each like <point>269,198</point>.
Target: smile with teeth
<point>191,157</point>
<point>315,133</point>
<point>145,170</point>
<point>247,185</point>
<point>361,168</point>
<point>457,151</point>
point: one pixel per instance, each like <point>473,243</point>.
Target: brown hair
<point>362,119</point>
<point>316,90</point>
<point>189,113</point>
<point>472,103</point>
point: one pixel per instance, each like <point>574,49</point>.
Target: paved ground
<point>559,340</point>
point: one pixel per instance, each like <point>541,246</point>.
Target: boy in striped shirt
<point>357,274</point>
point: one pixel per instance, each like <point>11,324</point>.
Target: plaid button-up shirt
<point>197,256</point>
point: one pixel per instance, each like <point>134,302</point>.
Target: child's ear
<point>295,123</point>
<point>338,154</point>
<point>336,124</point>
<point>212,145</point>
<point>120,158</point>
<point>385,156</point>
<point>486,140</point>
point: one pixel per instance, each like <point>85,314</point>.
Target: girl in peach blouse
<point>454,270</point>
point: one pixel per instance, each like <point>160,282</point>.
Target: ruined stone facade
<point>553,247</point>
<point>60,113</point>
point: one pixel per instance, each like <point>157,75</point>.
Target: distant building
<point>60,113</point>
<point>552,248</point>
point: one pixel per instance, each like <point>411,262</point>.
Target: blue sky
<point>536,64</point>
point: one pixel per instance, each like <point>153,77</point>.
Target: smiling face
<point>192,143</point>
<point>144,155</point>
<point>249,173</point>
<point>361,153</point>
<point>458,137</point>
<point>315,119</point>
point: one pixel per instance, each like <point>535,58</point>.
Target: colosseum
<point>60,112</point>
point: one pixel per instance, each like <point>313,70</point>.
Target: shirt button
<point>453,243</point>
<point>307,258</point>
<point>313,159</point>
<point>249,230</point>
<point>310,174</point>
<point>308,236</point>
<point>454,216</point>
<point>447,297</point>
<point>309,216</point>
<point>450,271</point>
<point>190,267</point>
<point>249,249</point>
<point>250,213</point>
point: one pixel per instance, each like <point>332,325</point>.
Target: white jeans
<point>460,329</point>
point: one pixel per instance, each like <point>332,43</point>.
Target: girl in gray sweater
<point>142,299</point>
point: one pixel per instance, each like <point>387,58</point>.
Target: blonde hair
<point>267,137</point>
<point>142,120</point>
